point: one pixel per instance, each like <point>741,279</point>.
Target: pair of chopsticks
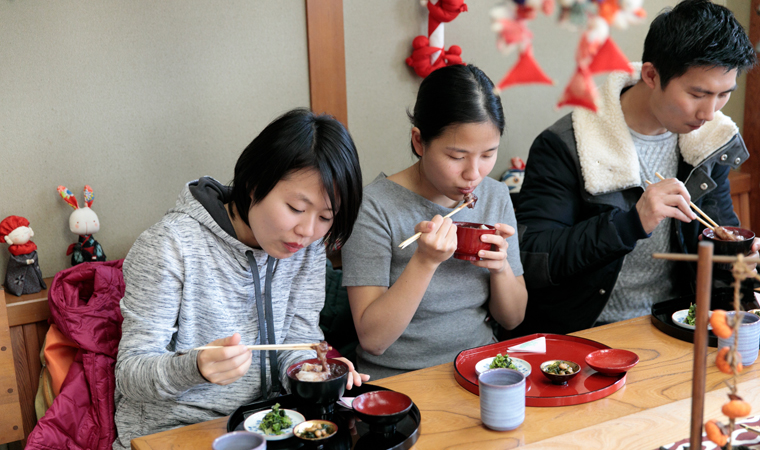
<point>407,242</point>
<point>264,347</point>
<point>695,207</point>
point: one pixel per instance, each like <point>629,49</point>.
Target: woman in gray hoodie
<point>234,265</point>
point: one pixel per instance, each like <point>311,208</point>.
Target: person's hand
<point>224,365</point>
<point>438,241</point>
<point>354,377</point>
<point>668,198</point>
<point>495,260</point>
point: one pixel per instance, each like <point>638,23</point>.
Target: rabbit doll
<point>84,222</point>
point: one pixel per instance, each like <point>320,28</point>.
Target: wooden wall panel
<point>327,58</point>
<point>751,129</point>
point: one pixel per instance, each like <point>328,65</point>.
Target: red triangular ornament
<point>609,58</point>
<point>525,71</point>
<point>580,91</point>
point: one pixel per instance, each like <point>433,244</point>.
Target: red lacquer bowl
<point>468,240</point>
<point>612,361</point>
<point>382,408</point>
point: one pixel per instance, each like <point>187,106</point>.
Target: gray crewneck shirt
<point>643,280</point>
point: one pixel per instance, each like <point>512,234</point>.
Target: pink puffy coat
<point>84,304</point>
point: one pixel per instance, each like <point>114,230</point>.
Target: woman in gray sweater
<point>235,265</point>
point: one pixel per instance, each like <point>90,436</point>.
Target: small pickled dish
<point>315,430</point>
<point>560,371</point>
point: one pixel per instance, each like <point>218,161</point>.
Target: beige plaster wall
<point>380,87</point>
<point>135,98</point>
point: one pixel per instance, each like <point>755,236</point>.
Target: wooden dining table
<point>652,409</point>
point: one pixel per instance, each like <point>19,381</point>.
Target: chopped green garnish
<point>691,317</point>
<point>275,421</point>
<point>502,362</point>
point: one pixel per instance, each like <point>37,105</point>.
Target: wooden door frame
<point>751,128</point>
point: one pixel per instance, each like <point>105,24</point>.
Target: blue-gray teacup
<point>749,337</point>
<point>239,440</point>
<point>502,399</point>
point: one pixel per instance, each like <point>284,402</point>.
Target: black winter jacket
<point>573,242</point>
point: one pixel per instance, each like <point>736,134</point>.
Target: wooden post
<point>327,58</point>
<point>704,286</point>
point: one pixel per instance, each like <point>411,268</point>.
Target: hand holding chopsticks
<point>710,225</point>
<point>408,242</point>
<point>696,209</point>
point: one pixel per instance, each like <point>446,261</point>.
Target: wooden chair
<point>23,325</point>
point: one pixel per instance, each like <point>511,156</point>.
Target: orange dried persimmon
<point>721,362</point>
<point>736,408</point>
<point>719,323</point>
<point>715,434</point>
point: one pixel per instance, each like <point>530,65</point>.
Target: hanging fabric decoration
<point>597,52</point>
<point>509,21</point>
<point>428,53</point>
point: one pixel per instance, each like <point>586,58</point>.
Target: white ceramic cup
<point>239,440</point>
<point>749,337</point>
<point>502,399</point>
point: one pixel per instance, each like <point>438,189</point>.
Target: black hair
<point>696,33</point>
<point>455,95</point>
<point>297,140</point>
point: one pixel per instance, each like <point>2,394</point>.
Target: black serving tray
<point>352,434</point>
<point>719,299</point>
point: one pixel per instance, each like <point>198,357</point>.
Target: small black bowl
<point>557,378</point>
<point>382,410</point>
<point>731,248</point>
<point>321,394</point>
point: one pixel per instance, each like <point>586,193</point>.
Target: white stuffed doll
<point>84,222</point>
<point>23,275</point>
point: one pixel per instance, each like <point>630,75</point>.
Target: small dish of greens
<point>503,361</point>
<point>685,318</point>
<point>274,424</point>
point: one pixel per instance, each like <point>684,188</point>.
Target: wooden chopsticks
<point>267,347</point>
<point>407,242</point>
<point>695,207</point>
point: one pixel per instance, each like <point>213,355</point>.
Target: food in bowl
<point>559,368</point>
<point>725,234</point>
<point>315,430</point>
<point>316,372</point>
<point>560,371</point>
<point>502,362</point>
<point>691,316</point>
<point>275,421</point>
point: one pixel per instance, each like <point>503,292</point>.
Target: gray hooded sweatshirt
<point>188,283</point>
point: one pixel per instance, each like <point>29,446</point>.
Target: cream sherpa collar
<point>605,147</point>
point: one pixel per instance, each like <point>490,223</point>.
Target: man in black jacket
<point>588,221</point>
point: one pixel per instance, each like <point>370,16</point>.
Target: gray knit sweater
<point>188,282</point>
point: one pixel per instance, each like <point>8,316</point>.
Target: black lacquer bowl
<point>721,247</point>
<point>321,394</point>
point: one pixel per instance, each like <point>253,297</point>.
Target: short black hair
<point>297,140</point>
<point>696,33</point>
<point>455,95</point>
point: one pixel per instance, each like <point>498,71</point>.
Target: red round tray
<point>588,386</point>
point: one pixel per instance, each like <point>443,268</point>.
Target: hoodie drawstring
<point>266,324</point>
